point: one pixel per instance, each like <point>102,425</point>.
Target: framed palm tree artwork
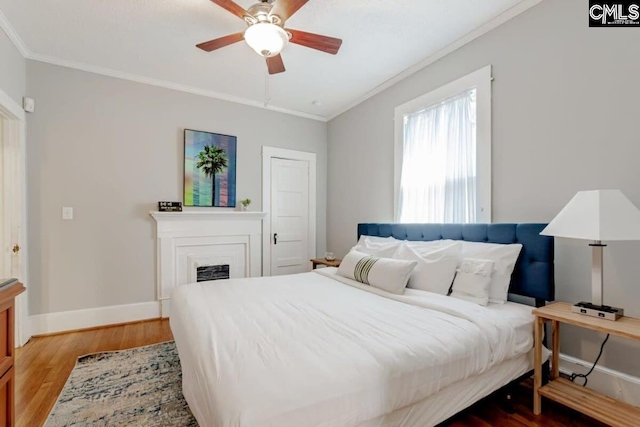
<point>209,169</point>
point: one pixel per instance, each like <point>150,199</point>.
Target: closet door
<point>289,216</point>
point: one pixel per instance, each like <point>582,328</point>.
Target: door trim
<point>15,135</point>
<point>269,153</point>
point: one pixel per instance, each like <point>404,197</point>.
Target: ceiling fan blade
<point>221,42</point>
<point>275,65</point>
<point>315,41</point>
<point>232,7</point>
<point>286,8</point>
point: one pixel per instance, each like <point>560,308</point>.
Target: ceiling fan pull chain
<point>267,96</point>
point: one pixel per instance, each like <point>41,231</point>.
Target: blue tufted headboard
<point>533,276</point>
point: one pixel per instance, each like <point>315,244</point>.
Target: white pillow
<point>429,245</point>
<point>504,258</point>
<point>388,274</point>
<point>473,280</point>
<point>383,247</point>
<point>436,266</point>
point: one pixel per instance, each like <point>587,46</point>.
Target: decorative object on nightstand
<point>327,263</point>
<point>600,215</point>
<point>329,256</point>
<point>579,398</point>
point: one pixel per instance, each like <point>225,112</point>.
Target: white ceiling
<point>156,39</point>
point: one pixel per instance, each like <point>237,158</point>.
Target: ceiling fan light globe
<point>266,39</point>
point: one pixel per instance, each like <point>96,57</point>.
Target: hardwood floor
<point>44,364</point>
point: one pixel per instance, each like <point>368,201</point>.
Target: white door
<point>289,216</point>
<point>10,200</point>
<point>5,230</point>
<point>11,214</point>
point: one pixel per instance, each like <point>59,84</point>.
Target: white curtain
<point>438,181</point>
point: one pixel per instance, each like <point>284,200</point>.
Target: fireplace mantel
<point>206,215</point>
<point>192,239</point>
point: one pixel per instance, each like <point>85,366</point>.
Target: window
<point>443,154</point>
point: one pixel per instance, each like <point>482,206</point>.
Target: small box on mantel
<point>170,206</point>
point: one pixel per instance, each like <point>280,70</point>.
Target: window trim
<point>481,81</point>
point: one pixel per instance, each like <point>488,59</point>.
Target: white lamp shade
<point>266,39</point>
<point>597,215</point>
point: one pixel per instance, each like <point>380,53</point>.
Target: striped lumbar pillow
<point>363,267</point>
<point>388,274</point>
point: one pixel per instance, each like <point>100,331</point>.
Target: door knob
<point>16,249</point>
<point>275,238</point>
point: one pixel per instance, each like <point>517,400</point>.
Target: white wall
<point>112,149</point>
<point>565,113</point>
<point>12,69</point>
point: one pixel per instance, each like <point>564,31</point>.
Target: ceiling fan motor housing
<point>261,12</point>
<point>266,33</point>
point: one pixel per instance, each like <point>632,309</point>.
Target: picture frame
<point>209,169</point>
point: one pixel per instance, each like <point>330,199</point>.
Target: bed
<point>318,349</point>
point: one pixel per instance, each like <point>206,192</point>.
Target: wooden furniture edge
<point>8,296</point>
<point>537,365</point>
<point>591,403</point>
<point>321,261</point>
<point>565,392</point>
<point>12,291</point>
<point>617,328</point>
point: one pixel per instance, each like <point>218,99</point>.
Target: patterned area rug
<point>137,387</point>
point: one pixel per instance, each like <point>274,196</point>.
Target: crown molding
<point>167,85</point>
<point>13,35</point>
<point>6,26</point>
<point>468,38</point>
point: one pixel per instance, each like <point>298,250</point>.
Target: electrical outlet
<point>67,213</point>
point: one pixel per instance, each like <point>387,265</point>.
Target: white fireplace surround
<point>191,239</point>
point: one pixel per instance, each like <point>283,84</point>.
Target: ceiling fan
<point>267,34</point>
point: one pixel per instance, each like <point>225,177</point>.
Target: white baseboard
<point>609,382</point>
<point>164,308</point>
<point>80,319</point>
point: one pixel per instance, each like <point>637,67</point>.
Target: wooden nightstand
<point>588,402</point>
<point>321,261</point>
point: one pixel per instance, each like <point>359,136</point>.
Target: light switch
<point>67,213</point>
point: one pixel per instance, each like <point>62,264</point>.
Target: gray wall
<point>12,69</point>
<point>111,149</point>
<point>565,112</point>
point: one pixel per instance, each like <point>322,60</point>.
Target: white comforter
<point>317,350</point>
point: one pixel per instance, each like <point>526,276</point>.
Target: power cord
<point>585,376</point>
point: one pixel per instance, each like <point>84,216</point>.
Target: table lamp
<point>601,215</point>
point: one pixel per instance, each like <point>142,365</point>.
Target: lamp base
<point>600,311</point>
